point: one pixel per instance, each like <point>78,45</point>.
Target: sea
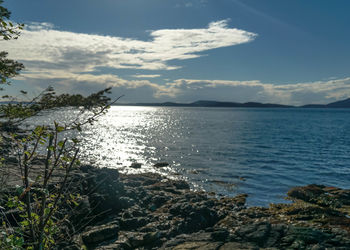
<point>262,152</point>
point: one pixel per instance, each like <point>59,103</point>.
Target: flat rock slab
<point>99,234</point>
<point>198,245</point>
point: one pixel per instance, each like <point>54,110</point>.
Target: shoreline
<point>150,211</point>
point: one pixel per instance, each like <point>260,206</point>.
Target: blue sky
<point>291,52</point>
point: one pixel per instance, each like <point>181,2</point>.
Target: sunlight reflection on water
<point>262,152</point>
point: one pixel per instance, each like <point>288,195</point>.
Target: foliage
<point>8,68</point>
<point>16,112</point>
<point>40,197</point>
<point>8,30</point>
<point>37,201</point>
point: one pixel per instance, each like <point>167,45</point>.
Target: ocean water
<point>262,152</point>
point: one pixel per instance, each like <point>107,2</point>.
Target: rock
<point>256,232</point>
<point>151,238</point>
<point>276,233</point>
<point>159,200</point>
<point>240,199</point>
<point>300,236</point>
<point>135,165</point>
<point>99,234</point>
<point>133,223</point>
<point>181,185</point>
<point>237,245</point>
<point>198,246</point>
<point>86,168</point>
<point>81,213</point>
<point>306,193</point>
<point>135,239</point>
<point>220,235</point>
<point>321,195</point>
<point>161,164</point>
<point>125,202</point>
<point>149,211</point>
<point>122,244</point>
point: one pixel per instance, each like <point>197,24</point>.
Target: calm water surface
<point>261,152</point>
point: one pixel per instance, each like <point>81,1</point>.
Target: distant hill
<point>235,104</point>
<point>204,103</point>
<point>339,104</point>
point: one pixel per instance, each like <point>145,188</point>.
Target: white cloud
<point>71,62</point>
<point>188,90</point>
<point>72,82</point>
<point>243,91</point>
<point>146,76</point>
<point>64,58</point>
<point>79,52</point>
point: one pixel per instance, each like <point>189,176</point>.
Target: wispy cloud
<point>191,3</point>
<point>146,76</point>
<point>42,45</point>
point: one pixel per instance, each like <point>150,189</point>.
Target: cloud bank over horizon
<point>189,90</point>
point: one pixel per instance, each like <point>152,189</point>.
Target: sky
<point>271,51</point>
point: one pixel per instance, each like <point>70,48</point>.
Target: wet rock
<point>99,234</point>
<point>240,199</point>
<point>306,193</point>
<point>135,165</point>
<point>181,185</point>
<point>161,164</point>
<point>321,195</point>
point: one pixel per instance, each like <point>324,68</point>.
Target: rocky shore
<point>149,211</point>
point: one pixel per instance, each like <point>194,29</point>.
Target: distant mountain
<point>235,104</point>
<point>206,103</point>
<point>203,103</point>
<point>339,104</point>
